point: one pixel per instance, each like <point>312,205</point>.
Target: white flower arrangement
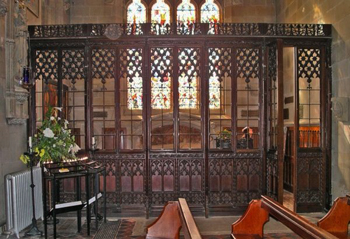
<point>53,141</point>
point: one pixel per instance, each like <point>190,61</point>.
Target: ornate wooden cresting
<point>118,90</point>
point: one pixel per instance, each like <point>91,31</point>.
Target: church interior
<point>239,107</point>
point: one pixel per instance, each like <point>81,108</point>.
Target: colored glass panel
<point>136,12</point>
<point>214,92</point>
<point>187,92</point>
<point>186,12</point>
<point>161,12</point>
<point>161,89</point>
<point>135,92</point>
<point>210,12</point>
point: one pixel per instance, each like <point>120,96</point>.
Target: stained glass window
<point>161,92</point>
<point>161,78</point>
<point>136,12</point>
<point>188,78</point>
<point>187,92</point>
<point>161,12</point>
<point>210,12</point>
<point>135,92</point>
<point>214,92</point>
<point>186,12</point>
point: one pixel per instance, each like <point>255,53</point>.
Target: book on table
<point>93,199</point>
<point>67,207</point>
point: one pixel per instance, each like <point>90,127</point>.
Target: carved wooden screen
<point>158,105</point>
<point>309,82</point>
<point>162,104</point>
<point>67,92</point>
<point>220,98</point>
<point>272,155</point>
<point>248,79</point>
<point>310,163</point>
<point>131,99</point>
<point>189,101</point>
<point>73,90</point>
<point>46,87</point>
<point>103,96</point>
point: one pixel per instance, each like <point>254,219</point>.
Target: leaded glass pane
<point>135,92</point>
<point>187,92</point>
<point>136,12</point>
<point>188,78</point>
<point>161,78</point>
<point>214,92</point>
<point>161,12</point>
<point>210,12</point>
<point>186,12</point>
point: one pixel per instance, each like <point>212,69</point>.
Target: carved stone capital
<point>3,8</point>
<point>17,106</point>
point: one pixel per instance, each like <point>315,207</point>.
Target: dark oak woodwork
<point>251,224</point>
<point>176,215</point>
<point>337,220</point>
<point>168,224</point>
<point>211,179</point>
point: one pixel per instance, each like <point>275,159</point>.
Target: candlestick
<point>93,140</point>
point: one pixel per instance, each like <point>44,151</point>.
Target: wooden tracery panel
<point>248,62</point>
<point>310,158</point>
<point>103,95</point>
<point>131,99</point>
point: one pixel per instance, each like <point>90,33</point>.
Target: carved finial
<point>3,8</point>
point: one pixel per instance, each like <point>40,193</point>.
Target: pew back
<point>336,221</point>
<point>167,225</point>
<point>251,224</point>
<point>296,223</point>
<point>175,215</point>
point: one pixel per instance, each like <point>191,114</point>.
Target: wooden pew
<point>175,215</point>
<point>336,221</point>
<point>251,224</point>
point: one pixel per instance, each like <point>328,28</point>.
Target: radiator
<point>19,210</point>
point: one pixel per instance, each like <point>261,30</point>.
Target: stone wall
<point>51,12</point>
<point>336,12</point>
<point>250,11</point>
<point>96,11</point>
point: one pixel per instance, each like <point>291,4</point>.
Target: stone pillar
<point>16,58</point>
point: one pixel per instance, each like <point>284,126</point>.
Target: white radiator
<point>19,210</point>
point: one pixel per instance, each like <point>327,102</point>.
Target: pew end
<point>167,225</point>
<point>252,222</point>
<point>336,221</point>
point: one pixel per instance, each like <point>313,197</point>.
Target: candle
<point>30,142</point>
<point>93,140</point>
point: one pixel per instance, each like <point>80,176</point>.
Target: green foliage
<point>53,140</point>
<point>225,134</point>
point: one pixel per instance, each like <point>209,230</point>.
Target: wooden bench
<point>251,224</point>
<point>175,215</point>
<point>336,221</point>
